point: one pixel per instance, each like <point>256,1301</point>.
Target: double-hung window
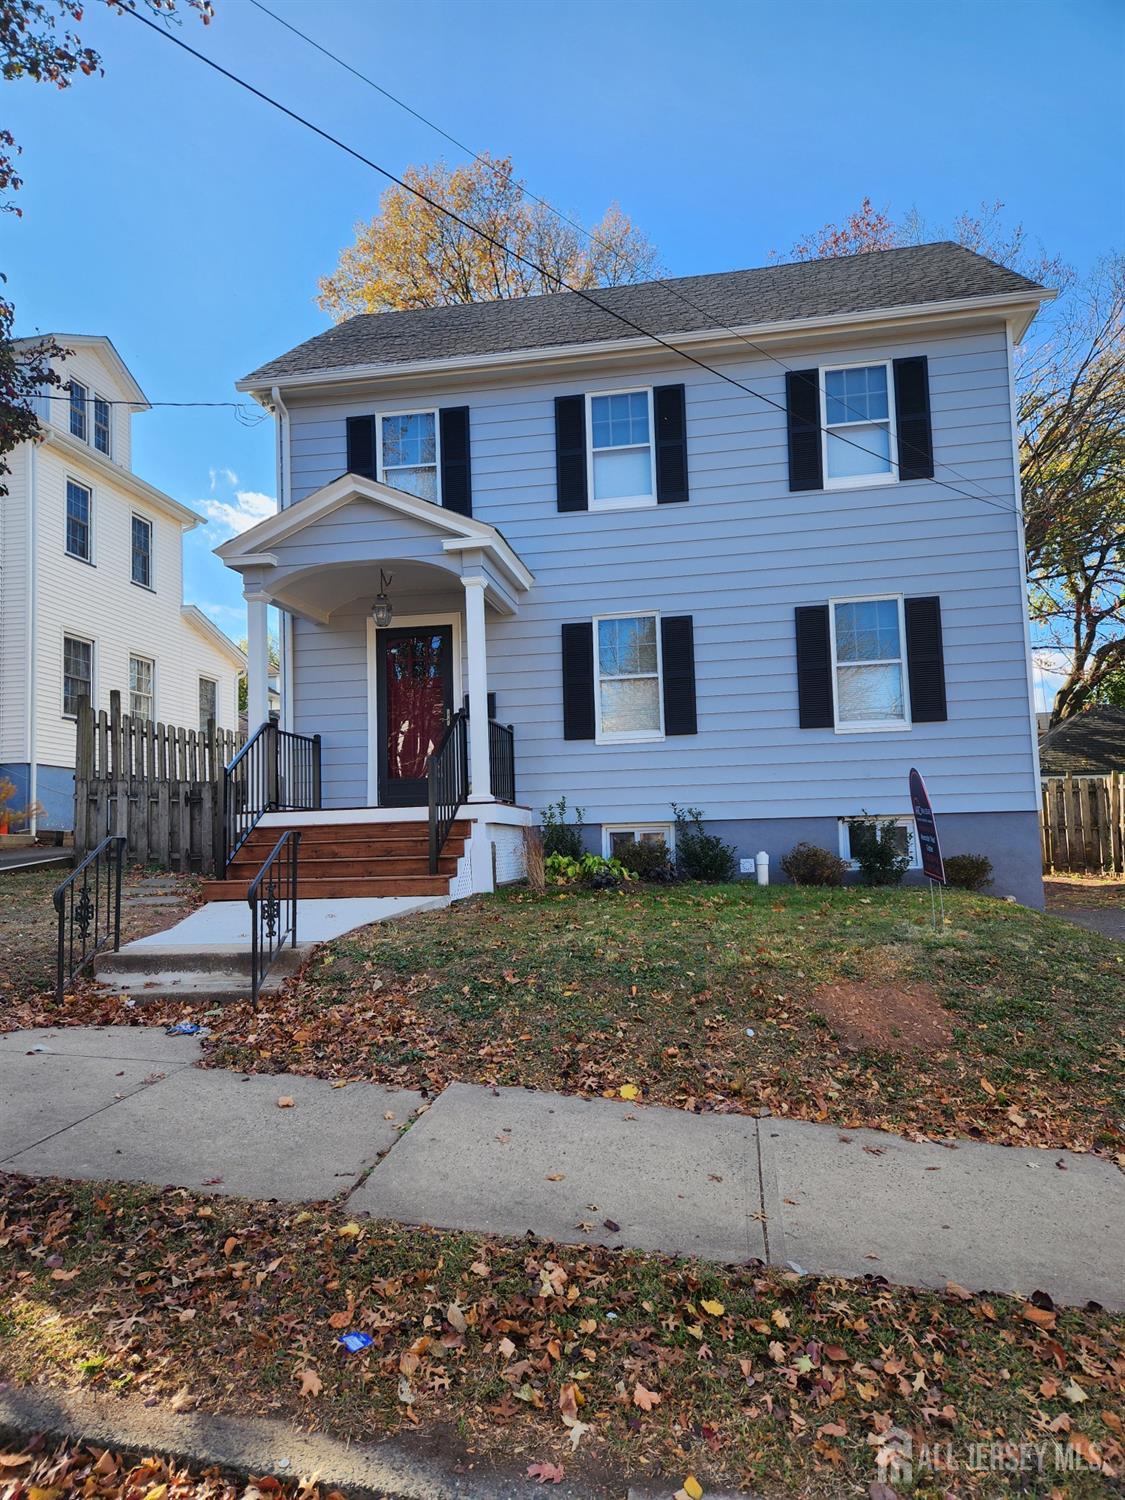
<point>101,425</point>
<point>858,437</point>
<point>79,396</point>
<point>78,521</point>
<point>142,552</point>
<point>628,704</point>
<point>621,457</point>
<point>869,665</point>
<point>142,701</point>
<point>408,453</point>
<point>78,673</point>
<point>208,703</point>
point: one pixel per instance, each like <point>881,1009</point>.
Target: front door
<point>415,701</point>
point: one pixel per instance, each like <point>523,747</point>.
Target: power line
<point>508,179</point>
<point>517,255</point>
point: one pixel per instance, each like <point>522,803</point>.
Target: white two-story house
<point>762,564</point>
<point>91,587</point>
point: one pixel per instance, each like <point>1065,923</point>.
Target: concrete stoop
<point>217,973</point>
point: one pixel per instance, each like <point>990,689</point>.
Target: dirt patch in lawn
<point>892,1017</point>
<point>1084,892</point>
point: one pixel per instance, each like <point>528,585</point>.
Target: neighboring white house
<point>91,587</point>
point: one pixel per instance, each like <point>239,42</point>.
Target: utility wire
<point>515,254</point>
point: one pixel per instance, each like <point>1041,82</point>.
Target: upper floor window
<point>78,673</point>
<point>621,451</point>
<point>868,663</point>
<point>408,453</point>
<point>208,703</point>
<point>142,674</point>
<point>101,425</point>
<point>79,397</point>
<point>628,703</point>
<point>142,552</point>
<point>78,521</point>
<point>858,422</point>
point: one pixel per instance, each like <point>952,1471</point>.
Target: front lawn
<point>600,1362</point>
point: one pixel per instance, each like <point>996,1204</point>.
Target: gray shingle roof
<point>1092,743</point>
<point>770,294</point>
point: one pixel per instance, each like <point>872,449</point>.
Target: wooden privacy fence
<point>1083,823</point>
<point>159,785</point>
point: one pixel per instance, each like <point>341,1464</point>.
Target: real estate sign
<point>926,826</point>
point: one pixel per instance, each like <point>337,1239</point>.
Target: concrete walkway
<point>125,1103</point>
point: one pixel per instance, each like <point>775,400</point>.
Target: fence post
<point>316,771</point>
<point>273,747</point>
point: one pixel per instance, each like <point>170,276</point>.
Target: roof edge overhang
<point>113,473</point>
<point>206,626</point>
<point>105,343</point>
<point>1019,308</point>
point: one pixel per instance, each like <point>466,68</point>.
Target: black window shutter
<point>677,649</point>
<point>456,476</point>
<point>671,444</point>
<point>570,453</point>
<point>578,681</point>
<point>925,660</point>
<point>912,418</point>
<point>814,667</point>
<point>802,402</point>
<point>361,447</point>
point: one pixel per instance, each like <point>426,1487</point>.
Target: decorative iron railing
<point>502,760</point>
<point>272,897</point>
<point>88,903</point>
<point>448,779</point>
<point>274,771</point>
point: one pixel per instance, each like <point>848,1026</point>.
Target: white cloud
<point>228,476</point>
<point>232,517</point>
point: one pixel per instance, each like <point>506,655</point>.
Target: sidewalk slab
<point>136,1043</point>
<point>227,923</point>
<point>45,1093</point>
<point>990,1218</point>
<point>205,1123</point>
<point>483,1159</point>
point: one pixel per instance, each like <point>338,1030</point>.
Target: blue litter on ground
<point>184,1028</point>
<point>354,1342</point>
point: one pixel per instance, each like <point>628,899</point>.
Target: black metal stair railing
<point>272,898</point>
<point>275,771</point>
<point>447,776</point>
<point>502,760</point>
<point>88,904</point>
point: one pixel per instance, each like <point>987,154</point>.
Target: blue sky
<point>190,222</point>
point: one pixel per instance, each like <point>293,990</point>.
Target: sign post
<point>929,847</point>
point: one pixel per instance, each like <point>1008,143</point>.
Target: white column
<point>257,661</point>
<point>480,778</point>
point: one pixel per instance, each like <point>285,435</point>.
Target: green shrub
<point>559,836</point>
<point>591,870</point>
<point>648,861</point>
<point>875,850</point>
<point>808,864</point>
<point>700,855</point>
<point>971,872</point>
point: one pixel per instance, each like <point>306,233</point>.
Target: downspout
<point>32,653</point>
<point>285,634</point>
<point>1022,541</point>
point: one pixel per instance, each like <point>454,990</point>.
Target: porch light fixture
<point>382,611</point>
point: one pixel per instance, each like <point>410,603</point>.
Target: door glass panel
<point>416,672</point>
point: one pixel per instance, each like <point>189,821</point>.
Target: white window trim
<point>214,681</point>
<point>151,660</point>
<point>906,822</point>
<point>871,726</point>
<point>624,502</point>
<point>858,481</point>
<point>89,640</point>
<point>410,411</point>
<point>139,515</point>
<point>667,829</point>
<point>91,561</point>
<point>91,423</point>
<point>632,736</point>
<point>85,389</point>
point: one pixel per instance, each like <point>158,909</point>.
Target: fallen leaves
<point>545,1473</point>
<point>286,1102</point>
<point>310,1382</point>
<point>644,1398</point>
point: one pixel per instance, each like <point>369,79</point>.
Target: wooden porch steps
<point>349,859</point>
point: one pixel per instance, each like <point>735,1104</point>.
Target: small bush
<point>971,872</point>
<point>648,861</point>
<point>591,870</point>
<point>700,855</point>
<point>559,836</point>
<point>875,850</point>
<point>808,864</point>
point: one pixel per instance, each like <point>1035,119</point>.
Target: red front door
<point>415,700</point>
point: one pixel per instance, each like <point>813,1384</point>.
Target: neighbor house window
<point>142,552</point>
<point>208,703</point>
<point>78,673</point>
<point>868,664</point>
<point>78,512</point>
<point>621,465</point>
<point>408,453</point>
<point>142,673</point>
<point>628,703</point>
<point>618,839</point>
<point>858,443</point>
<point>905,841</point>
<point>101,425</point>
<point>78,398</point>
